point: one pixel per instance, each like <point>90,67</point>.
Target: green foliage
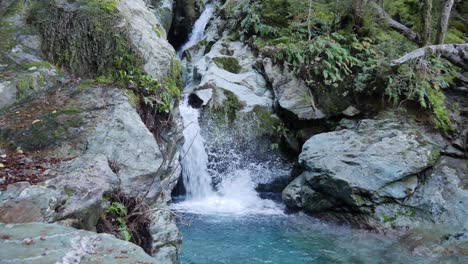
<point>422,81</point>
<point>130,74</point>
<point>117,212</point>
<point>117,209</point>
<point>24,84</point>
<point>248,15</point>
<point>229,64</point>
<point>328,60</point>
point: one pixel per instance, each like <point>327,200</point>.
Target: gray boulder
<point>50,243</point>
<point>381,162</point>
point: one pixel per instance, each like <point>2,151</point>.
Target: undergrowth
<point>339,52</point>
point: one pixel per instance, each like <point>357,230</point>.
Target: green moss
<point>104,79</point>
<point>434,156</point>
<point>441,117</point>
<point>387,219</point>
<point>132,98</point>
<point>68,191</point>
<point>157,29</point>
<point>99,6</point>
<point>228,63</point>
<point>86,84</point>
<point>23,85</point>
<point>37,64</point>
<point>232,105</point>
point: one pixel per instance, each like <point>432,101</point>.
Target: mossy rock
<point>83,39</point>
<point>229,64</point>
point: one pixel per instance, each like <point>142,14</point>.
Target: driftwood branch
<point>455,53</point>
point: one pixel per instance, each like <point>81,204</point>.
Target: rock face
<point>49,243</point>
<point>93,130</point>
<point>380,163</point>
<point>147,34</point>
<point>228,69</point>
<point>292,93</point>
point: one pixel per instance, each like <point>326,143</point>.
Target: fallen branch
<point>397,26</point>
<point>455,53</point>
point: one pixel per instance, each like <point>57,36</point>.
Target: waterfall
<point>236,194</point>
<point>198,30</point>
<point>197,180</point>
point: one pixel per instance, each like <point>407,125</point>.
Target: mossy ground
<point>36,125</point>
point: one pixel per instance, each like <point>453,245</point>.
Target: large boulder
<point>302,101</point>
<point>380,163</point>
<point>50,243</point>
<point>110,149</point>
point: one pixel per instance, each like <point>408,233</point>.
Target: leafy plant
<point>422,81</point>
<point>117,209</point>
<point>117,212</point>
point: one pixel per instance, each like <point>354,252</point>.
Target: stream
<point>233,224</point>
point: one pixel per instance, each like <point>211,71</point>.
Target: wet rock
<point>453,152</point>
<point>444,194</point>
<point>166,235</point>
<point>48,243</point>
<point>228,69</point>
<point>22,203</point>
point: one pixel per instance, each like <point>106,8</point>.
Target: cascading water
<point>198,30</point>
<point>197,180</point>
<point>236,194</point>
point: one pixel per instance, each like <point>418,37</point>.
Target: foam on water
<point>236,195</point>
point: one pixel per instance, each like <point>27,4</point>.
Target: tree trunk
<point>309,18</point>
<point>358,10</point>
<point>444,21</point>
<point>426,22</point>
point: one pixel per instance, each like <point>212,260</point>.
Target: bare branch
<point>455,53</point>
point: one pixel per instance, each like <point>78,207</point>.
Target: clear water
<point>283,239</point>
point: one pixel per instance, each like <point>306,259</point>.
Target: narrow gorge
<point>233,131</point>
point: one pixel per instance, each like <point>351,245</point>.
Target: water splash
<point>198,30</point>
